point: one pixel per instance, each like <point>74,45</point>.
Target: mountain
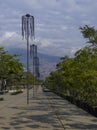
<point>47,63</point>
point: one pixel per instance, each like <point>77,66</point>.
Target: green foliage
<point>90,33</point>
<point>11,68</point>
<point>77,77</point>
<point>30,79</point>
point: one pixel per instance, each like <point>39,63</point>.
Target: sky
<point>57,24</point>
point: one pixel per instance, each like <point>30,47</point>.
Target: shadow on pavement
<point>46,112</point>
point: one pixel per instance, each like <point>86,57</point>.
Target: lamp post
<point>28,32</point>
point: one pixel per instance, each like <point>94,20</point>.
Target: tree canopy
<point>10,67</point>
<point>89,33</point>
<point>77,76</point>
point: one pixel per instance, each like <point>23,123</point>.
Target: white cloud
<point>12,40</point>
<point>57,23</point>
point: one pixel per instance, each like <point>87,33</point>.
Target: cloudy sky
<point>57,23</point>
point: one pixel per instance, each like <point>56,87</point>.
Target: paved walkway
<point>46,111</point>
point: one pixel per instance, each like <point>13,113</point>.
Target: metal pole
<point>27,62</point>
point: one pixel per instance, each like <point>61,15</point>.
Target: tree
<point>11,68</point>
<point>77,76</point>
<point>89,33</point>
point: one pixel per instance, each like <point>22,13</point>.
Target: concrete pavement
<point>45,111</point>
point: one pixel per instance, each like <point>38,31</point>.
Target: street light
<point>28,32</point>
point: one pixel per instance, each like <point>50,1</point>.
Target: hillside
<point>47,62</point>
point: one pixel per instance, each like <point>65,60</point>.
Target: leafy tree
<point>77,76</point>
<point>89,33</point>
<point>31,78</point>
<point>11,68</point>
